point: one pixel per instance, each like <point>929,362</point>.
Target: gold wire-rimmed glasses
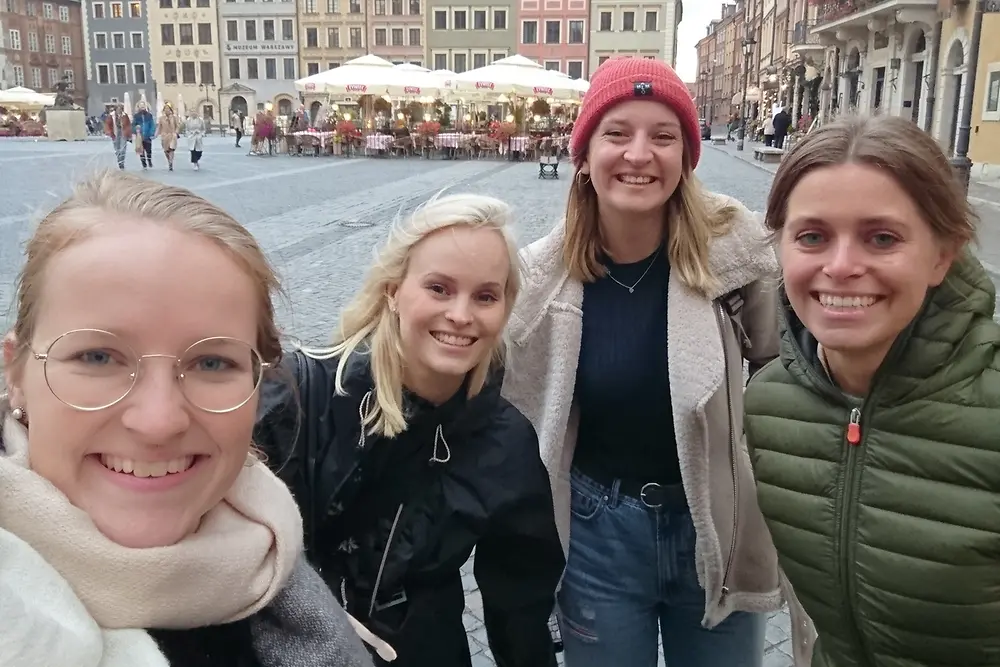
<point>93,369</point>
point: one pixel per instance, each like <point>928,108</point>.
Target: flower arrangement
<point>429,128</point>
<point>805,122</point>
<point>346,128</point>
<point>502,131</point>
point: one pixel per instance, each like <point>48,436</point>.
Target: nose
<point>845,260</point>
<point>639,150</point>
<point>156,410</point>
<point>460,312</point>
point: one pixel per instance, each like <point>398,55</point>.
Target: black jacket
<point>389,529</point>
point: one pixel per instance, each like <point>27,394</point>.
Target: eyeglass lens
<point>95,369</point>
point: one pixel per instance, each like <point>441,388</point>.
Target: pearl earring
<point>17,414</point>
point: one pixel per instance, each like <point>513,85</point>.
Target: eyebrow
<point>448,279</point>
<point>660,125</point>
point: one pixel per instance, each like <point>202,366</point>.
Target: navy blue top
<point>622,384</point>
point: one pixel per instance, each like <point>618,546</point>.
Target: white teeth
<point>635,180</point>
<point>452,339</point>
<point>839,301</point>
<point>146,468</point>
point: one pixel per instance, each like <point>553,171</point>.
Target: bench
<point>718,141</point>
<point>768,154</point>
<point>548,167</point>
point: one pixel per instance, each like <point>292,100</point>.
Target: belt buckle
<point>650,487</point>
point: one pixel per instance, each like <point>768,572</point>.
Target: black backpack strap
<point>312,403</point>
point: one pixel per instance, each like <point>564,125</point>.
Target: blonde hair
<point>113,198</point>
<point>898,147</point>
<point>692,225</point>
<point>367,321</point>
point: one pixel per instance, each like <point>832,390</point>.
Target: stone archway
<point>952,95</point>
<point>239,103</point>
<point>314,110</point>
<point>913,75</point>
<point>285,107</point>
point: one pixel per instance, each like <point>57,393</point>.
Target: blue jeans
<point>630,577</point>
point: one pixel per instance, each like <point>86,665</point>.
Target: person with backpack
<point>629,342</point>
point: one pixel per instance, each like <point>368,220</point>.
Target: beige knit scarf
<point>232,566</point>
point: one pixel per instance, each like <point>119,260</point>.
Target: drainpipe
<point>961,162</point>
<point>933,73</point>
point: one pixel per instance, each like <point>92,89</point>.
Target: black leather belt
<point>651,494</point>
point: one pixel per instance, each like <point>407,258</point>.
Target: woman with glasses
<point>404,457</point>
<point>146,530</point>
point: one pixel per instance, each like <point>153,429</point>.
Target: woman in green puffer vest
<point>875,436</point>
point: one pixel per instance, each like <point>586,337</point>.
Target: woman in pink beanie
<point>629,342</point>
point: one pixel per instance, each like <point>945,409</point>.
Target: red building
<point>43,43</point>
<point>555,33</point>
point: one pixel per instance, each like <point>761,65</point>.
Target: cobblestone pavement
<point>319,220</point>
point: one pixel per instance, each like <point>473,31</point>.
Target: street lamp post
<point>747,43</point>
<point>960,163</point>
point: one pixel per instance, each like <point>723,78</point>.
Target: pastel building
<point>554,33</point>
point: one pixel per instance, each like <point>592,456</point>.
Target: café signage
<point>261,47</point>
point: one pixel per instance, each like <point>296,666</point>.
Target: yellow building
<point>184,52</point>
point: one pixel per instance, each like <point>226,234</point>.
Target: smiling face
<point>635,159</point>
<point>451,307</point>
<point>148,468</point>
<point>857,268</point>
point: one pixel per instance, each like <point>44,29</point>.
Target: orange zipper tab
<point>854,427</point>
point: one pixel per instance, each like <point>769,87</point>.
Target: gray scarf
<point>305,626</point>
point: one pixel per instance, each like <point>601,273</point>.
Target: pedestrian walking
<point>404,457</point>
<point>874,438</point>
<point>782,121</point>
<point>169,130</point>
<point>236,123</point>
<point>145,127</point>
<point>628,351</point>
<point>118,126</point>
<point>194,130</point>
<point>769,130</point>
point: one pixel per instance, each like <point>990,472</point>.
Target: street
<point>320,218</point>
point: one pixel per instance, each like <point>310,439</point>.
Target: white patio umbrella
<point>25,97</point>
<point>516,75</point>
<point>371,75</point>
<point>128,104</point>
<point>180,110</point>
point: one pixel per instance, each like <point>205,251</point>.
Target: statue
<point>63,99</point>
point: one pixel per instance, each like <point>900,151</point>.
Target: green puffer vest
<point>893,544</point>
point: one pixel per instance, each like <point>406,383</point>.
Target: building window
<point>18,75</point>
<point>499,19</point>
<point>137,40</point>
<point>552,65</point>
<point>414,7</point>
<point>289,65</point>
<point>116,10</point>
<point>354,7</point>
<point>312,68</point>
<point>479,19</point>
<point>460,63</point>
<point>166,4</point>
<point>46,14</point>
<point>356,38</point>
<point>252,68</point>
<point>991,107</point>
<point>268,30</point>
<point>651,22</point>
<point>188,72</point>
<point>440,61</point>
<point>576,32</point>
<point>529,32</point>
<point>15,40</point>
<point>185,33</point>
<point>33,41</point>
<point>380,7</point>
<point>414,36</point>
<point>118,40</point>
<point>333,38</point>
<point>440,19</point>
<point>169,72</point>
<point>67,45</point>
<point>574,68</point>
<point>98,10</point>
<point>332,6</point>
<point>234,68</point>
<point>628,21</point>
<point>121,74</point>
<point>397,7</point>
<point>602,60</point>
<point>202,3</point>
<point>379,36</point>
<point>478,60</point>
<point>397,36</point>
<point>103,75</point>
<point>204,33</point>
<point>552,30</point>
<point>250,30</point>
<point>459,20</point>
<point>138,74</point>
<point>605,22</point>
<point>310,7</point>
<point>499,55</point>
<point>100,40</point>
<point>167,34</point>
<point>53,77</point>
<point>232,31</point>
<point>312,38</point>
<point>50,43</point>
<point>36,78</point>
<point>287,30</point>
<point>64,14</point>
<point>270,68</point>
<point>70,76</point>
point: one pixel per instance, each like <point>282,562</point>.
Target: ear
<point>11,372</point>
<point>944,260</point>
<point>585,167</point>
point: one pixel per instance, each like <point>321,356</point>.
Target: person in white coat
<point>194,129</point>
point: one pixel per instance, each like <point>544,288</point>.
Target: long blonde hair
<point>691,220</point>
<point>368,326</point>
